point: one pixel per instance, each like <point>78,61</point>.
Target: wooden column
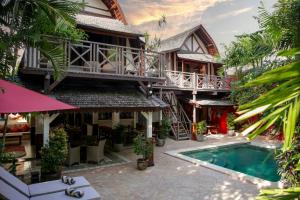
<point>135,119</point>
<point>149,119</point>
<point>194,108</point>
<point>47,119</point>
<point>115,119</point>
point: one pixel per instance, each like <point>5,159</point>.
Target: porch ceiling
<point>200,57</point>
<point>109,99</point>
<point>212,102</point>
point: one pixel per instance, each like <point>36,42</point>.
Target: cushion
<point>9,192</point>
<point>55,186</point>
<point>89,193</point>
<point>14,182</point>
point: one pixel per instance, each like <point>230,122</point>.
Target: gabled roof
<point>104,23</point>
<point>110,98</point>
<point>115,10</point>
<point>175,42</point>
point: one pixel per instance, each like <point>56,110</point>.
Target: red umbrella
<point>17,99</point>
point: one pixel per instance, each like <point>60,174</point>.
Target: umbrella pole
<point>4,132</point>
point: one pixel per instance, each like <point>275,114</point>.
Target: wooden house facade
<point>114,80</point>
<point>193,87</point>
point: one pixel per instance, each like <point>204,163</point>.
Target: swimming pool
<point>245,158</point>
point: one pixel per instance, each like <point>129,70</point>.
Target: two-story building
<point>108,76</point>
<point>192,88</point>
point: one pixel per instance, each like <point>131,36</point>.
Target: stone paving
<point>170,179</point>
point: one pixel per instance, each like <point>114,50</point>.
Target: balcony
<point>194,81</point>
<point>93,59</point>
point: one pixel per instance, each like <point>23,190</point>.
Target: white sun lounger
<point>12,188</point>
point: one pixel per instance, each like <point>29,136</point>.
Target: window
<point>105,116</point>
<point>126,115</point>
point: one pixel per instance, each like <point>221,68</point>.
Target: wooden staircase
<point>180,123</point>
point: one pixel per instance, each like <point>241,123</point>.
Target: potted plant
<point>53,155</point>
<point>118,137</point>
<point>163,132</point>
<point>142,146</point>
<point>231,124</point>
<point>200,130</point>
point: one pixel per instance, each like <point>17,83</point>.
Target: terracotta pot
<point>142,164</point>
<point>160,142</point>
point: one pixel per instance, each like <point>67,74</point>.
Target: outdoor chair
<point>73,156</point>
<point>96,153</point>
<point>12,188</point>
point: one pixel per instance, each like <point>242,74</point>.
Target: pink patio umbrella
<point>17,99</point>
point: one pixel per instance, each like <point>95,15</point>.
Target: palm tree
<point>32,23</point>
<point>282,103</point>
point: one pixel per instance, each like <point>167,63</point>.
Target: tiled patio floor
<point>170,179</point>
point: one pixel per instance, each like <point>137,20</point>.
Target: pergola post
<point>115,119</point>
<point>194,108</point>
<point>47,119</point>
<point>149,119</point>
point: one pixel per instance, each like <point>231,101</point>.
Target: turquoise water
<point>244,158</point>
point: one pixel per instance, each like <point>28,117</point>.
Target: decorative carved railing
<point>94,57</point>
<point>185,80</point>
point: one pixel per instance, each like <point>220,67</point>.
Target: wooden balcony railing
<point>100,58</point>
<point>191,81</point>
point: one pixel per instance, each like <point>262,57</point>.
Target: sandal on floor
<point>68,180</point>
<point>72,192</point>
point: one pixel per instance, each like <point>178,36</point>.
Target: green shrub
<point>201,127</point>
<point>164,129</point>
<point>230,122</point>
<point>53,154</point>
<point>143,146</point>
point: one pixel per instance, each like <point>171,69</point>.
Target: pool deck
<point>170,178</point>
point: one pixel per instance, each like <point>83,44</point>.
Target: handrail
<point>96,57</point>
<point>187,80</point>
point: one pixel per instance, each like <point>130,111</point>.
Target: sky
<point>223,19</point>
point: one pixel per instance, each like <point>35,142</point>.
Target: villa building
<point>114,80</point>
<point>192,88</point>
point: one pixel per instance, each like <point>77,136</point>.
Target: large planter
<point>160,142</point>
<point>142,164</point>
<point>200,137</point>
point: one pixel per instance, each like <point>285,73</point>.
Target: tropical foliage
<point>279,104</point>
<point>54,153</point>
<point>35,23</point>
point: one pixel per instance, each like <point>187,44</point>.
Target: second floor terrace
<point>176,80</point>
<point>87,59</point>
<point>101,60</point>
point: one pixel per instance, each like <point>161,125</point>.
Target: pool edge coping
<point>261,183</point>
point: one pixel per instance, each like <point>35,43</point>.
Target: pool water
<point>244,158</point>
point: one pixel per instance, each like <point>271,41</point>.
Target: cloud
<point>234,13</point>
<point>140,12</point>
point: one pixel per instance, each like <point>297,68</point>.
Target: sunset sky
<point>223,19</point>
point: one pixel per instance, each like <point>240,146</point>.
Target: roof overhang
<point>198,57</point>
<point>109,99</point>
<point>212,102</point>
<point>106,24</point>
